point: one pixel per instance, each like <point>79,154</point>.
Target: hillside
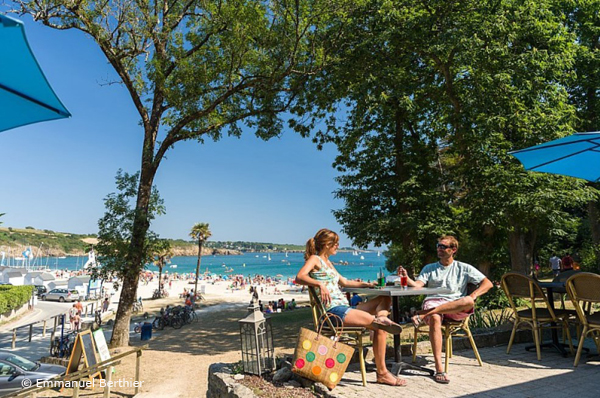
<point>14,241</point>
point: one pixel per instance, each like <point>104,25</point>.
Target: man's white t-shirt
<point>455,277</point>
<point>555,261</point>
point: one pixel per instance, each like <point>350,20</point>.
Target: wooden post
<point>137,371</point>
<point>76,389</point>
<point>14,339</point>
<point>44,328</point>
<point>30,331</point>
<point>109,373</point>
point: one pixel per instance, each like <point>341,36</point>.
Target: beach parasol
<point>25,95</point>
<point>577,155</point>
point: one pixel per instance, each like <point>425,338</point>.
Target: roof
<point>13,274</point>
<point>82,278</point>
<point>46,277</point>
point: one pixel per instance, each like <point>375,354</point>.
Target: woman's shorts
<point>340,310</point>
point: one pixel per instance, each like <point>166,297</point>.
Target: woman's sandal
<point>441,377</point>
<point>385,323</point>
<point>389,379</point>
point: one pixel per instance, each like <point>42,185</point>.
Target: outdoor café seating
<point>540,313</point>
<point>351,335</point>
<point>450,328</point>
<point>584,291</point>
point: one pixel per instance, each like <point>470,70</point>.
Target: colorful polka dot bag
<point>321,358</point>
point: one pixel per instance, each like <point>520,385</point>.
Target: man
<point>457,305</point>
<point>555,264</point>
<point>79,307</point>
<point>567,263</point>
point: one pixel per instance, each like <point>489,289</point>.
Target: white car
<point>61,295</point>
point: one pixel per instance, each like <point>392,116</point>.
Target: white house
<point>57,285</point>
<point>13,277</point>
<point>30,276</point>
<point>44,279</point>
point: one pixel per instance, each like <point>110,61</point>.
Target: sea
<point>364,265</point>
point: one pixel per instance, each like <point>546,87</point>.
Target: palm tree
<point>162,254</point>
<point>200,232</point>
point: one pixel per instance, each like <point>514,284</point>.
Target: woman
<point>320,273</point>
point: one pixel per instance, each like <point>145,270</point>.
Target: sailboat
<point>378,253</point>
<point>286,254</point>
<point>269,256</point>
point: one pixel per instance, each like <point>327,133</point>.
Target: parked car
<point>40,290</point>
<point>14,370</point>
<point>61,295</point>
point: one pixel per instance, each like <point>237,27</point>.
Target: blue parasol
<point>577,155</point>
<point>25,95</point>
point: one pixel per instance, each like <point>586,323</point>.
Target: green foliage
<point>68,243</point>
<point>13,297</point>
<point>484,319</point>
<point>115,228</point>
<point>494,299</point>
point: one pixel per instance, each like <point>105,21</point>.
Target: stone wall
<point>221,383</point>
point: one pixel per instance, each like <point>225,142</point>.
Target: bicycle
<point>98,318</point>
<point>62,347</point>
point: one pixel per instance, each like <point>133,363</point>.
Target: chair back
<point>583,289</point>
<point>522,286</point>
<point>318,310</point>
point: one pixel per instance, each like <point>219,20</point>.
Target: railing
<point>30,326</point>
<point>106,366</point>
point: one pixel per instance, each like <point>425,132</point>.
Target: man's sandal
<point>389,379</point>
<point>417,321</point>
<point>385,323</point>
<point>441,377</point>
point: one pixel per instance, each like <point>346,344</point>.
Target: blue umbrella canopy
<point>25,95</point>
<point>577,155</point>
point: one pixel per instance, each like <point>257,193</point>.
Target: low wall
<point>7,316</point>
<point>221,383</point>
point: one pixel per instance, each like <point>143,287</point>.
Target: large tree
<point>195,69</point>
<point>200,232</point>
<point>437,93</point>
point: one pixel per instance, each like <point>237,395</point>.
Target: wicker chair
<point>519,285</point>
<point>450,328</point>
<point>584,290</point>
<point>352,335</point>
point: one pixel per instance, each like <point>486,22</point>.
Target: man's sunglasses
<point>443,246</point>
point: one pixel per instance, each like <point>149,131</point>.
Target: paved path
<point>516,375</point>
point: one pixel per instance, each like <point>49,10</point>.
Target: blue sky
<point>54,175</point>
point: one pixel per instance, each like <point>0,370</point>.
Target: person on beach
<point>73,314</point>
<point>105,305</point>
<point>457,305</point>
<point>319,272</point>
<point>79,307</point>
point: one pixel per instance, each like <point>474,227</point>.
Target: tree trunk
<point>159,280</point>
<point>198,267</point>
<point>120,335</point>
<point>521,244</point>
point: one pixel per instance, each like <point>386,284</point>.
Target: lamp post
<point>256,337</point>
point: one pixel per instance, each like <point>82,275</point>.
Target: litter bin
<point>146,331</point>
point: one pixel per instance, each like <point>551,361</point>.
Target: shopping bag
<point>321,358</point>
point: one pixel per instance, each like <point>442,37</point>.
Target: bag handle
<point>327,317</point>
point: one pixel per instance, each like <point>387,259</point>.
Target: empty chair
<point>584,290</point>
<point>517,285</point>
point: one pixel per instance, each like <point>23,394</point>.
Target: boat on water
<point>269,257</point>
<point>362,257</point>
<point>173,266</point>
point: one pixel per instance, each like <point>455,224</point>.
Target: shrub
<point>12,297</point>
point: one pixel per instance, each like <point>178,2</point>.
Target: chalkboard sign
<point>84,346</point>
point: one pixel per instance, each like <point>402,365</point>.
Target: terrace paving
<point>515,375</point>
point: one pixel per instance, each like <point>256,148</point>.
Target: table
<point>394,292</point>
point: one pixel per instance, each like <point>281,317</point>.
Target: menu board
<point>101,345</point>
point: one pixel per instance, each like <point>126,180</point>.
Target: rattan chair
<point>584,290</point>
<point>450,328</point>
<point>352,335</point>
<point>521,286</point>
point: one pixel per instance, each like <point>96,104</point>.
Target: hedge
<point>13,297</point>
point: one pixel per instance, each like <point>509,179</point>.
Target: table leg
<point>396,318</point>
<point>555,342</point>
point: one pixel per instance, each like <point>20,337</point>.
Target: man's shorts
<point>435,302</point>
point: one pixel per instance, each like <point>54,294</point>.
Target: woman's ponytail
<point>311,250</point>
